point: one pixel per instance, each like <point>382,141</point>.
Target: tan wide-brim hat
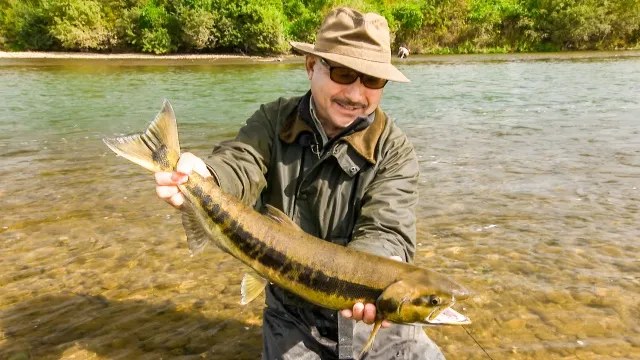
<point>357,41</point>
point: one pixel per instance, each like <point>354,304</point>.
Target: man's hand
<point>167,182</point>
<point>366,312</point>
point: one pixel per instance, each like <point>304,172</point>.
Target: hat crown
<point>351,33</point>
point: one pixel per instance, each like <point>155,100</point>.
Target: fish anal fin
<point>369,343</point>
<point>197,237</point>
<point>278,216</point>
<point>252,285</point>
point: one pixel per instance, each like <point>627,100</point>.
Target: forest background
<point>264,27</point>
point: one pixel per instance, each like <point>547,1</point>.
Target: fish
<point>280,252</point>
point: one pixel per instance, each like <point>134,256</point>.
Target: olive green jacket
<point>360,192</point>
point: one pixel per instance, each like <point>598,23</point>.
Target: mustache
<point>346,102</point>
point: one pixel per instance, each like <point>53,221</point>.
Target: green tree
<point>256,26</point>
<point>78,24</point>
<point>146,27</point>
<point>409,17</point>
<point>25,25</point>
<point>197,28</point>
<point>265,26</point>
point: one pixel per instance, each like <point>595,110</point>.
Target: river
<point>530,196</point>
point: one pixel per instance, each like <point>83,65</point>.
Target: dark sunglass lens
<point>373,82</point>
<point>343,75</point>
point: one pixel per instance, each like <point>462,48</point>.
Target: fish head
<point>423,297</point>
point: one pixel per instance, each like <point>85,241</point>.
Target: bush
<point>25,26</point>
<point>197,28</point>
<point>264,26</point>
<point>257,26</point>
<point>409,17</point>
<point>302,21</point>
<point>78,24</point>
<point>147,28</point>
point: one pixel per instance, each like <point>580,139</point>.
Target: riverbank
<point>86,55</point>
<point>235,58</point>
<point>49,57</point>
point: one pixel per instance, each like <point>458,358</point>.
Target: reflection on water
<point>530,196</point>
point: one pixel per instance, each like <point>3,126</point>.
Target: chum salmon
<point>278,251</point>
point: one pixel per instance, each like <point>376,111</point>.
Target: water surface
<point>530,196</point>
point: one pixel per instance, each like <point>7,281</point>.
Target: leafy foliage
<point>77,24</point>
<point>266,26</point>
<point>25,26</point>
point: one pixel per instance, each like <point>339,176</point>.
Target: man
<point>403,52</point>
<point>342,170</point>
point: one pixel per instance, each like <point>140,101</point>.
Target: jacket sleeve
<point>240,165</point>
<point>387,222</point>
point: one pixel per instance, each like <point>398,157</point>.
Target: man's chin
<point>343,119</point>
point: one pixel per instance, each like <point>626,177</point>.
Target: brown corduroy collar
<point>363,142</point>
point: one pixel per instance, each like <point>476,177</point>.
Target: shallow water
<point>530,196</point>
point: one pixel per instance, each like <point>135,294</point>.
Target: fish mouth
<point>446,316</point>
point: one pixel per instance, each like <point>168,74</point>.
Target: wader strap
<point>345,338</point>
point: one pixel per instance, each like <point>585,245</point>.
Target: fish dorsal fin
<point>157,149</point>
<point>252,285</point>
<point>278,216</point>
<point>197,237</point>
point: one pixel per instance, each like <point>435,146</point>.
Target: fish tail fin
<point>157,149</point>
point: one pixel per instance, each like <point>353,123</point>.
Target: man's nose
<point>355,91</point>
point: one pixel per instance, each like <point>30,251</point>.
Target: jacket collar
<point>363,141</point>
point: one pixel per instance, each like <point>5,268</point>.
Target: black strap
<point>345,338</point>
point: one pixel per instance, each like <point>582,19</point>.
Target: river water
<point>530,196</point>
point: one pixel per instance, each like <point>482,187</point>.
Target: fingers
<point>357,311</point>
<point>166,192</point>
<point>167,182</point>
<point>361,312</point>
<point>346,313</point>
<point>189,162</point>
<point>366,313</point>
<point>169,178</point>
<point>176,200</point>
<point>369,314</point>
<point>170,194</point>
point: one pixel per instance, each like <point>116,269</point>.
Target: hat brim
<point>381,70</point>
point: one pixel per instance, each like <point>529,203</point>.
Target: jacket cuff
<point>378,247</point>
<point>221,173</point>
<point>213,173</point>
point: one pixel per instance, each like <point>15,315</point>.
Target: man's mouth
<point>350,106</point>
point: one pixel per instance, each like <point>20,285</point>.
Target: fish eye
<point>428,300</point>
<point>434,300</point>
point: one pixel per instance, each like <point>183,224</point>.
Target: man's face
<point>338,105</point>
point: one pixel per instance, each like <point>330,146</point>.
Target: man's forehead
<point>333,64</point>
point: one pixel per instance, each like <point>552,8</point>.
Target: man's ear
<point>310,62</point>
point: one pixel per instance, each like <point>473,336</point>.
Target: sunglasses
<point>345,76</point>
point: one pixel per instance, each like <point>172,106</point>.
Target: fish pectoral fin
<point>197,237</point>
<point>252,285</point>
<point>369,343</point>
<point>278,216</point>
